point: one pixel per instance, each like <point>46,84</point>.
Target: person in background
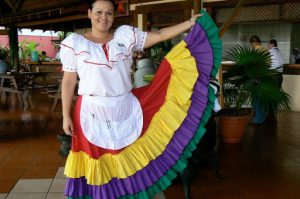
<point>276,64</point>
<point>44,57</point>
<point>256,43</point>
<point>295,56</point>
<point>277,60</point>
<point>259,113</point>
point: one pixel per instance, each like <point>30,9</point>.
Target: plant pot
<point>232,128</point>
<point>34,56</point>
<point>65,144</point>
<point>3,67</point>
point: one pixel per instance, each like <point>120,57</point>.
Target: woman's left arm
<point>169,32</point>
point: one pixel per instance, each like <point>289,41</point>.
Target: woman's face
<point>102,15</point>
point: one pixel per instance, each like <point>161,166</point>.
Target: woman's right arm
<point>67,93</point>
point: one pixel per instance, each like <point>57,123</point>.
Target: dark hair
<point>274,42</point>
<point>254,39</point>
<point>91,3</point>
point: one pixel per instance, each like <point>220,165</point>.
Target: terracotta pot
<point>232,128</point>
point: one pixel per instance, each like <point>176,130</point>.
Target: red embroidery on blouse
<point>74,50</point>
<point>134,35</point>
<point>103,65</point>
<point>105,48</point>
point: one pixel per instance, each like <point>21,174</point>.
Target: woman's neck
<point>99,37</point>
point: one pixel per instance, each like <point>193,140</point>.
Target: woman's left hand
<point>193,19</point>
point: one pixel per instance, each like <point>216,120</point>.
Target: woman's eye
<point>110,13</point>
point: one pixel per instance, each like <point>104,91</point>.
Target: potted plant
<point>249,80</point>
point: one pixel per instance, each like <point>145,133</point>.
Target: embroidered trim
<point>71,69</point>
<point>105,48</point>
<point>99,64</point>
<point>134,35</point>
<point>143,41</point>
<point>74,50</point>
<point>105,65</point>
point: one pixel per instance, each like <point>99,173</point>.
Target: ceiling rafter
<point>13,4</point>
<point>54,20</point>
<point>10,4</point>
<point>19,3</point>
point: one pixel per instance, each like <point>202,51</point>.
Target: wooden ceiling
<point>67,15</point>
<point>232,3</point>
<point>57,15</point>
<point>62,15</point>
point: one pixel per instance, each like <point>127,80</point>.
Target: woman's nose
<point>104,16</point>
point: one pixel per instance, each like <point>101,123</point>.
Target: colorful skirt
<point>176,107</point>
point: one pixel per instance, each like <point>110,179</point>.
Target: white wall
<point>291,85</point>
<point>240,34</point>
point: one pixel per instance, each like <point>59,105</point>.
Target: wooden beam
<point>10,4</point>
<point>13,4</point>
<point>164,7</point>
<point>55,20</point>
<point>236,12</point>
<point>19,2</point>
<point>3,32</point>
<point>13,45</point>
<point>196,6</point>
<point>231,3</point>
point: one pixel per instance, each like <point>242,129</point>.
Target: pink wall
<point>44,41</point>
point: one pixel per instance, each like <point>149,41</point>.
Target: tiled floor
<point>266,165</point>
<point>47,188</point>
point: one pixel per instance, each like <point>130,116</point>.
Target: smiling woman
<point>129,142</point>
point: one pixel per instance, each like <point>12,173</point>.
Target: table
<point>21,83</point>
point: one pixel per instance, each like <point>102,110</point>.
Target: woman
<point>121,136</point>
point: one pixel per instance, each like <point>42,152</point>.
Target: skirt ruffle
<point>182,105</point>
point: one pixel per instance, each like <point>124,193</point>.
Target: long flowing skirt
<point>176,107</point>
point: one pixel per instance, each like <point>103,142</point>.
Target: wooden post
<point>14,48</point>
<point>196,6</point>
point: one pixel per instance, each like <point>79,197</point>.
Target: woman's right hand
<point>68,126</point>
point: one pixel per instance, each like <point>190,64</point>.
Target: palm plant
<point>251,79</point>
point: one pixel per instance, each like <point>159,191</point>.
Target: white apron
<point>111,122</point>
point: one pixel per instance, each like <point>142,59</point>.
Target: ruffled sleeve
<point>68,54</point>
<point>133,38</point>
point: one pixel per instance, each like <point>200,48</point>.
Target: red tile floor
<point>266,165</point>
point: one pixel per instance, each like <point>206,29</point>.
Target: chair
<point>57,96</point>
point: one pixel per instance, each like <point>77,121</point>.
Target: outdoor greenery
<point>26,48</point>
<point>250,79</point>
<point>159,51</point>
<point>4,52</point>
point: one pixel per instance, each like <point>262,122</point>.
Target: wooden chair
<point>57,96</point>
<point>9,85</point>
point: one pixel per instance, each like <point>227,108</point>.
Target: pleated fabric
<point>176,107</point>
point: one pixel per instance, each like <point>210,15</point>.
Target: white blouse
<point>101,75</point>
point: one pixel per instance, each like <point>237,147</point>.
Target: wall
<point>291,83</point>
<point>295,36</point>
<point>44,41</point>
<point>240,34</point>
